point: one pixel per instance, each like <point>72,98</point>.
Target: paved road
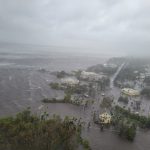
<point>115,75</point>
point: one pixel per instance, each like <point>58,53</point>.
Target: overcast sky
<point>111,25</point>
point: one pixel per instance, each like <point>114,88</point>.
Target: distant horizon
<point>69,49</point>
<point>58,48</point>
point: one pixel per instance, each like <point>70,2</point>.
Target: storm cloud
<point>112,25</point>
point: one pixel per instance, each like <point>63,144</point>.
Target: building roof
<point>130,92</point>
<point>105,118</point>
<point>91,75</point>
<point>70,81</point>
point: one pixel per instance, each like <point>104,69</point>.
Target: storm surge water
<point>23,85</point>
<point>21,82</point>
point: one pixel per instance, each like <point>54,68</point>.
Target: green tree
<point>28,132</point>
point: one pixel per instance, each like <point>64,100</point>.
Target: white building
<point>70,81</point>
<point>130,92</point>
<point>110,65</point>
<point>91,76</point>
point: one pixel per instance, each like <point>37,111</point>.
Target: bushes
<point>53,100</point>
<point>61,74</point>
<point>141,121</point>
<point>130,133</point>
<point>127,122</point>
<point>85,144</point>
<point>67,98</point>
<point>127,131</point>
<point>28,132</point>
<point>55,86</point>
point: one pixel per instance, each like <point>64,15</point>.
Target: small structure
<point>130,92</point>
<point>105,118</point>
<point>70,81</point>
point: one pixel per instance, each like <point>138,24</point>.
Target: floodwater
<point>22,85</point>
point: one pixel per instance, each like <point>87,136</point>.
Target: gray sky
<point>111,25</point>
